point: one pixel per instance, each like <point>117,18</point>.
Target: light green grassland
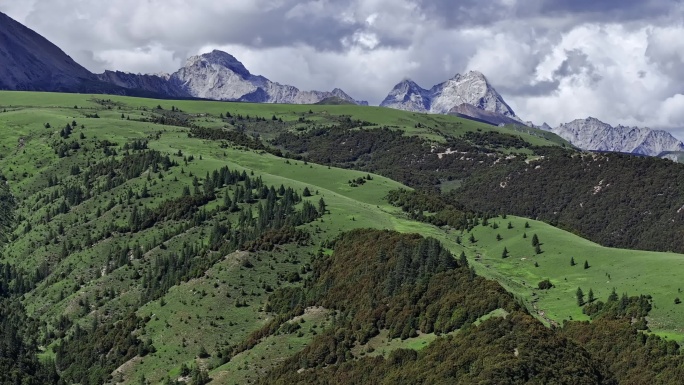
<point>202,312</point>
<point>431,126</point>
<point>628,271</point>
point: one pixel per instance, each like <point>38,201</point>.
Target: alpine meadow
<point>211,226</point>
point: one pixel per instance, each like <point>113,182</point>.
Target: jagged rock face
<point>408,96</point>
<point>471,88</point>
<point>594,135</point>
<point>28,61</point>
<point>220,76</point>
<point>216,75</point>
<point>151,83</point>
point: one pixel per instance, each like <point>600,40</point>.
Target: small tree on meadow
<point>580,296</point>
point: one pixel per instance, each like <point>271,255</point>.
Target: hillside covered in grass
<point>163,241</point>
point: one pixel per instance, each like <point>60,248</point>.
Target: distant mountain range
<point>594,135</point>
<point>220,76</point>
<point>471,96</point>
<point>30,62</point>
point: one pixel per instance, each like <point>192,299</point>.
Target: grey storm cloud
<point>610,9</point>
<point>576,63</point>
<point>551,60</point>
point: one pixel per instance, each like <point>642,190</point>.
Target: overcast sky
<point>553,61</point>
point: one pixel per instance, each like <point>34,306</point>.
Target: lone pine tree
<point>580,296</point>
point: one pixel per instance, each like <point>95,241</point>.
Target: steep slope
<point>595,135</point>
<point>472,88</point>
<point>468,111</point>
<point>30,62</point>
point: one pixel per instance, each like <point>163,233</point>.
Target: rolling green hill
<point>154,238</point>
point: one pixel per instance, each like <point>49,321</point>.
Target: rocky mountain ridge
<point>218,75</point>
<point>594,135</point>
<point>472,88</point>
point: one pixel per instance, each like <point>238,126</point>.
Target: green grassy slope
<point>627,271</point>
<point>201,313</point>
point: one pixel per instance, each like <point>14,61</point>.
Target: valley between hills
<point>176,241</point>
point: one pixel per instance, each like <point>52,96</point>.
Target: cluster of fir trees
<point>89,355</point>
<point>431,208</point>
<point>612,349</point>
<point>383,280</point>
<point>266,217</point>
<point>236,137</point>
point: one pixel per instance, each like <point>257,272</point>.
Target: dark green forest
<point>383,280</point>
<point>614,199</point>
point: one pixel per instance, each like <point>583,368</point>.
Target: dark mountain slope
<point>30,62</point>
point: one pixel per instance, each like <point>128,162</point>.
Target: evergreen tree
<point>462,259</point>
<point>535,240</point>
<point>572,261</point>
<point>321,206</point>
<point>498,237</point>
<point>527,225</point>
<point>472,238</point>
<point>586,265</point>
<point>227,202</point>
<point>504,254</point>
<point>510,225</point>
<point>580,296</point>
<point>306,192</point>
<point>590,296</point>
<point>613,296</point>
<point>537,249</point>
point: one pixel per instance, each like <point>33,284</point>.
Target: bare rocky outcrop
<point>220,76</point>
<point>594,135</point>
<point>472,89</point>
